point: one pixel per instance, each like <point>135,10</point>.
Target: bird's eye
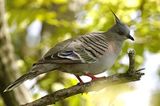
<point>120,32</point>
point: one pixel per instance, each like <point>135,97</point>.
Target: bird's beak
<point>130,37</point>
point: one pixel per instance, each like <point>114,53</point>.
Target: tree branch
<point>131,75</point>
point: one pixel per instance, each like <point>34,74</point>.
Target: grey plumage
<point>88,54</point>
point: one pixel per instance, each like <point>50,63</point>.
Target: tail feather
<point>20,80</point>
<point>35,71</point>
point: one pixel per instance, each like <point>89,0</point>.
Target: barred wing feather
<point>84,49</point>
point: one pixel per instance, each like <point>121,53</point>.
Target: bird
<point>88,54</point>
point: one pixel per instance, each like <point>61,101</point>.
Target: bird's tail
<point>35,71</point>
<point>20,80</point>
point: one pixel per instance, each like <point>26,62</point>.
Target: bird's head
<point>121,29</point>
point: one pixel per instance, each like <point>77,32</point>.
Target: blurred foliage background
<point>37,25</point>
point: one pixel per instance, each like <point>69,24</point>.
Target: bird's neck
<point>114,39</point>
<point>112,36</point>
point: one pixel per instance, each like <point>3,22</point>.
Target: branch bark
<point>129,76</point>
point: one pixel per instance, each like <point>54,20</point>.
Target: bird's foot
<point>93,77</point>
<point>89,75</point>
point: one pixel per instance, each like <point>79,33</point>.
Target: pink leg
<point>91,76</point>
<point>79,79</point>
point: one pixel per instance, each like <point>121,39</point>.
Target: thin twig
<point>131,75</point>
<point>131,56</point>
